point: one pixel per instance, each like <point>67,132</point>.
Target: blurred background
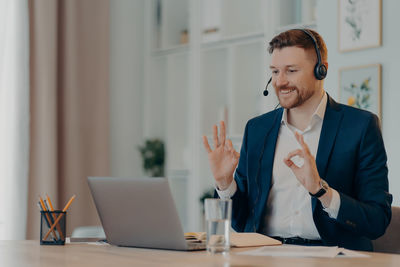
<point>128,87</point>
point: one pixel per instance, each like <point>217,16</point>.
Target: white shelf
<point>173,50</point>
<point>222,43</point>
<point>234,40</point>
<point>240,17</point>
<point>174,20</point>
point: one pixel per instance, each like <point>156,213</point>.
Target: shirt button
<point>297,212</point>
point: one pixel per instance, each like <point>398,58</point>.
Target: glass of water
<point>218,219</point>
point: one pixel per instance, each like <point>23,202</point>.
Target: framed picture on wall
<point>360,87</point>
<point>360,24</point>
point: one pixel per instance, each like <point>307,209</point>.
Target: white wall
<point>126,83</point>
<point>388,56</point>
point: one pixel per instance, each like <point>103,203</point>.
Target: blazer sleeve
<point>368,213</point>
<point>240,207</point>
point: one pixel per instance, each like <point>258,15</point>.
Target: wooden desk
<point>30,253</point>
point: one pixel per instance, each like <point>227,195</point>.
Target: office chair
<point>390,241</point>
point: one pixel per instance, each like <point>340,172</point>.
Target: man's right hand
<point>223,159</point>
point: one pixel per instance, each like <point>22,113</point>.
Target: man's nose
<point>281,80</point>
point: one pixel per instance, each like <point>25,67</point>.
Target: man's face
<point>293,75</point>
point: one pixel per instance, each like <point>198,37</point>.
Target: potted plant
<point>153,157</point>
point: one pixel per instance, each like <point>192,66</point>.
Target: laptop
<point>139,212</point>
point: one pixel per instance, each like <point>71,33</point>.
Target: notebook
<point>139,212</point>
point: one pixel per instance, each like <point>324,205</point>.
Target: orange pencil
<point>47,216</point>
<point>54,217</point>
<point>69,203</point>
<point>59,216</point>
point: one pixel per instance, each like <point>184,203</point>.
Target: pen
<point>54,217</point>
<point>59,216</point>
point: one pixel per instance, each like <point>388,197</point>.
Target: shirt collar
<point>319,112</point>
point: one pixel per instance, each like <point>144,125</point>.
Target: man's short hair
<point>298,38</point>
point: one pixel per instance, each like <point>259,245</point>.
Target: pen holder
<point>52,227</point>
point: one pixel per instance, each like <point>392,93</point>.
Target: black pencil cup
<point>52,227</point>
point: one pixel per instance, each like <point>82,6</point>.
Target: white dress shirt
<point>288,209</point>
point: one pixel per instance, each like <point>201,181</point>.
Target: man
<point>312,172</point>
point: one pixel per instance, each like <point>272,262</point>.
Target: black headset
<point>320,69</point>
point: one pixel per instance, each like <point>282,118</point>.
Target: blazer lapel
<point>331,124</point>
<point>267,161</point>
<point>269,153</point>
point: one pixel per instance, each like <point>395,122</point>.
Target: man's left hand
<point>307,174</point>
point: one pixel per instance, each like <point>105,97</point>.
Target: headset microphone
<point>266,87</point>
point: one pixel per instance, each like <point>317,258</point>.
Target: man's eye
<point>274,72</point>
<point>291,70</point>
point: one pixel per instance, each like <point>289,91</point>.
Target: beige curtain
<point>69,131</point>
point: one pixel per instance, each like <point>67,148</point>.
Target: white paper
<point>302,251</point>
<point>86,242</point>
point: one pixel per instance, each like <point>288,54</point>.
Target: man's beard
<point>300,99</point>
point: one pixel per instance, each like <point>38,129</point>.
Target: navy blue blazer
<point>351,157</point>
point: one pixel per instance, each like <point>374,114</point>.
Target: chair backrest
<point>390,241</point>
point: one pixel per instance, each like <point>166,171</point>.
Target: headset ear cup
<point>320,71</point>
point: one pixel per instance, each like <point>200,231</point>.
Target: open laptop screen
<point>138,212</point>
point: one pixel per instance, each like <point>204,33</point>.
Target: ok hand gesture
<point>307,174</point>
<point>223,159</point>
